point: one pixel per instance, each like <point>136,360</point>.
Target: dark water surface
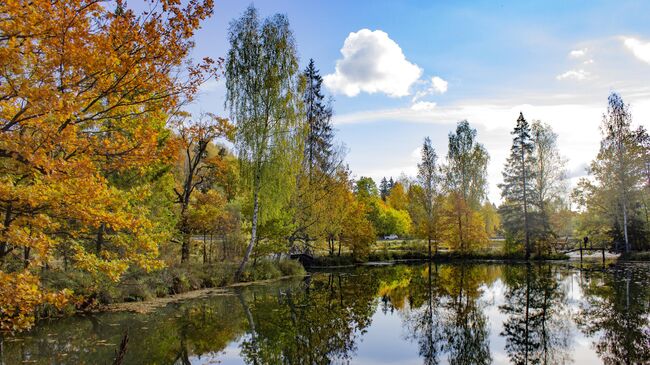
<point>442,314</point>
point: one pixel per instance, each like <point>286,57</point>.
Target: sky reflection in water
<point>406,314</point>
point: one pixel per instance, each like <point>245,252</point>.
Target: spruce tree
<point>384,190</point>
<point>518,177</point>
<point>429,177</point>
<point>318,112</point>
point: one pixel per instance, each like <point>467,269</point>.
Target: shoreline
<point>149,305</point>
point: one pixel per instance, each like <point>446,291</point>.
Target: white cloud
<point>589,61</point>
<point>439,85</point>
<point>577,125</point>
<point>578,75</point>
<point>372,62</point>
<point>423,106</point>
<point>578,53</point>
<point>640,49</point>
<point>416,154</point>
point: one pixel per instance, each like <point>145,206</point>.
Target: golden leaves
<point>85,94</point>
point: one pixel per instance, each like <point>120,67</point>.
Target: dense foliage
<point>104,178</point>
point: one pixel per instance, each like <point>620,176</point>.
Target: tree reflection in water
<point>536,328</point>
<point>616,312</point>
<point>447,313</point>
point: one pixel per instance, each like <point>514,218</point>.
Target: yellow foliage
<point>85,91</point>
<point>20,296</point>
<point>463,228</point>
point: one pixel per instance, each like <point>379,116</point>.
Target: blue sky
<point>554,60</point>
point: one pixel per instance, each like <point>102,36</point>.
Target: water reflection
<point>616,310</point>
<point>536,328</point>
<point>455,314</point>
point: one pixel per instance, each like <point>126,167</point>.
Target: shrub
<point>291,267</point>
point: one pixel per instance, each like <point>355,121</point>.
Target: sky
<point>403,70</point>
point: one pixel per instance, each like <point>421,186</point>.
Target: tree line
<point>102,170</point>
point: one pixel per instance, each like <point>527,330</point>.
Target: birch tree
<point>263,100</point>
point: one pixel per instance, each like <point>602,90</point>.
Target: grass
<point>635,256</point>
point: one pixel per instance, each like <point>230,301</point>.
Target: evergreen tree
<point>516,189</point>
<point>384,190</point>
<point>429,178</point>
<point>318,113</point>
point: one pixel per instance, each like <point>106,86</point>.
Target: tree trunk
<point>627,242</point>
<point>251,244</point>
<point>26,256</point>
<point>205,249</point>
<point>100,238</point>
<point>186,238</point>
<point>523,165</point>
<point>4,246</point>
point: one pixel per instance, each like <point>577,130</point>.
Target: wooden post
<point>581,251</point>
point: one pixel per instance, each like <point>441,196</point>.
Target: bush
<point>262,270</point>
<point>291,267</point>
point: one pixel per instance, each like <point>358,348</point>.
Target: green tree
<point>549,188</point>
<point>466,180</point>
<point>615,198</point>
<point>263,97</point>
<point>383,188</point>
<point>429,178</point>
<point>517,186</point>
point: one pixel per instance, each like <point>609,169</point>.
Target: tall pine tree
<point>516,189</point>
<point>429,177</point>
<point>318,112</point>
<point>384,190</point>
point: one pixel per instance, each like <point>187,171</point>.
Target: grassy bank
<point>394,255</point>
<point>138,285</point>
<point>635,256</point>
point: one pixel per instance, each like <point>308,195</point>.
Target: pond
<point>477,313</point>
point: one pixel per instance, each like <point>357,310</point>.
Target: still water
<point>403,314</point>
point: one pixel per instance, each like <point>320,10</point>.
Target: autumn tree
<point>85,91</point>
<point>358,233</point>
<point>397,197</point>
<point>516,189</point>
<point>317,180</point>
<point>262,97</point>
<point>194,137</point>
<point>614,196</point>
<point>465,182</point>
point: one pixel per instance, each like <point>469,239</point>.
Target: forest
<point>111,191</point>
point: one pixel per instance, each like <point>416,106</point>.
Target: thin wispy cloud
<point>423,106</point>
<point>578,75</point>
<point>578,53</point>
